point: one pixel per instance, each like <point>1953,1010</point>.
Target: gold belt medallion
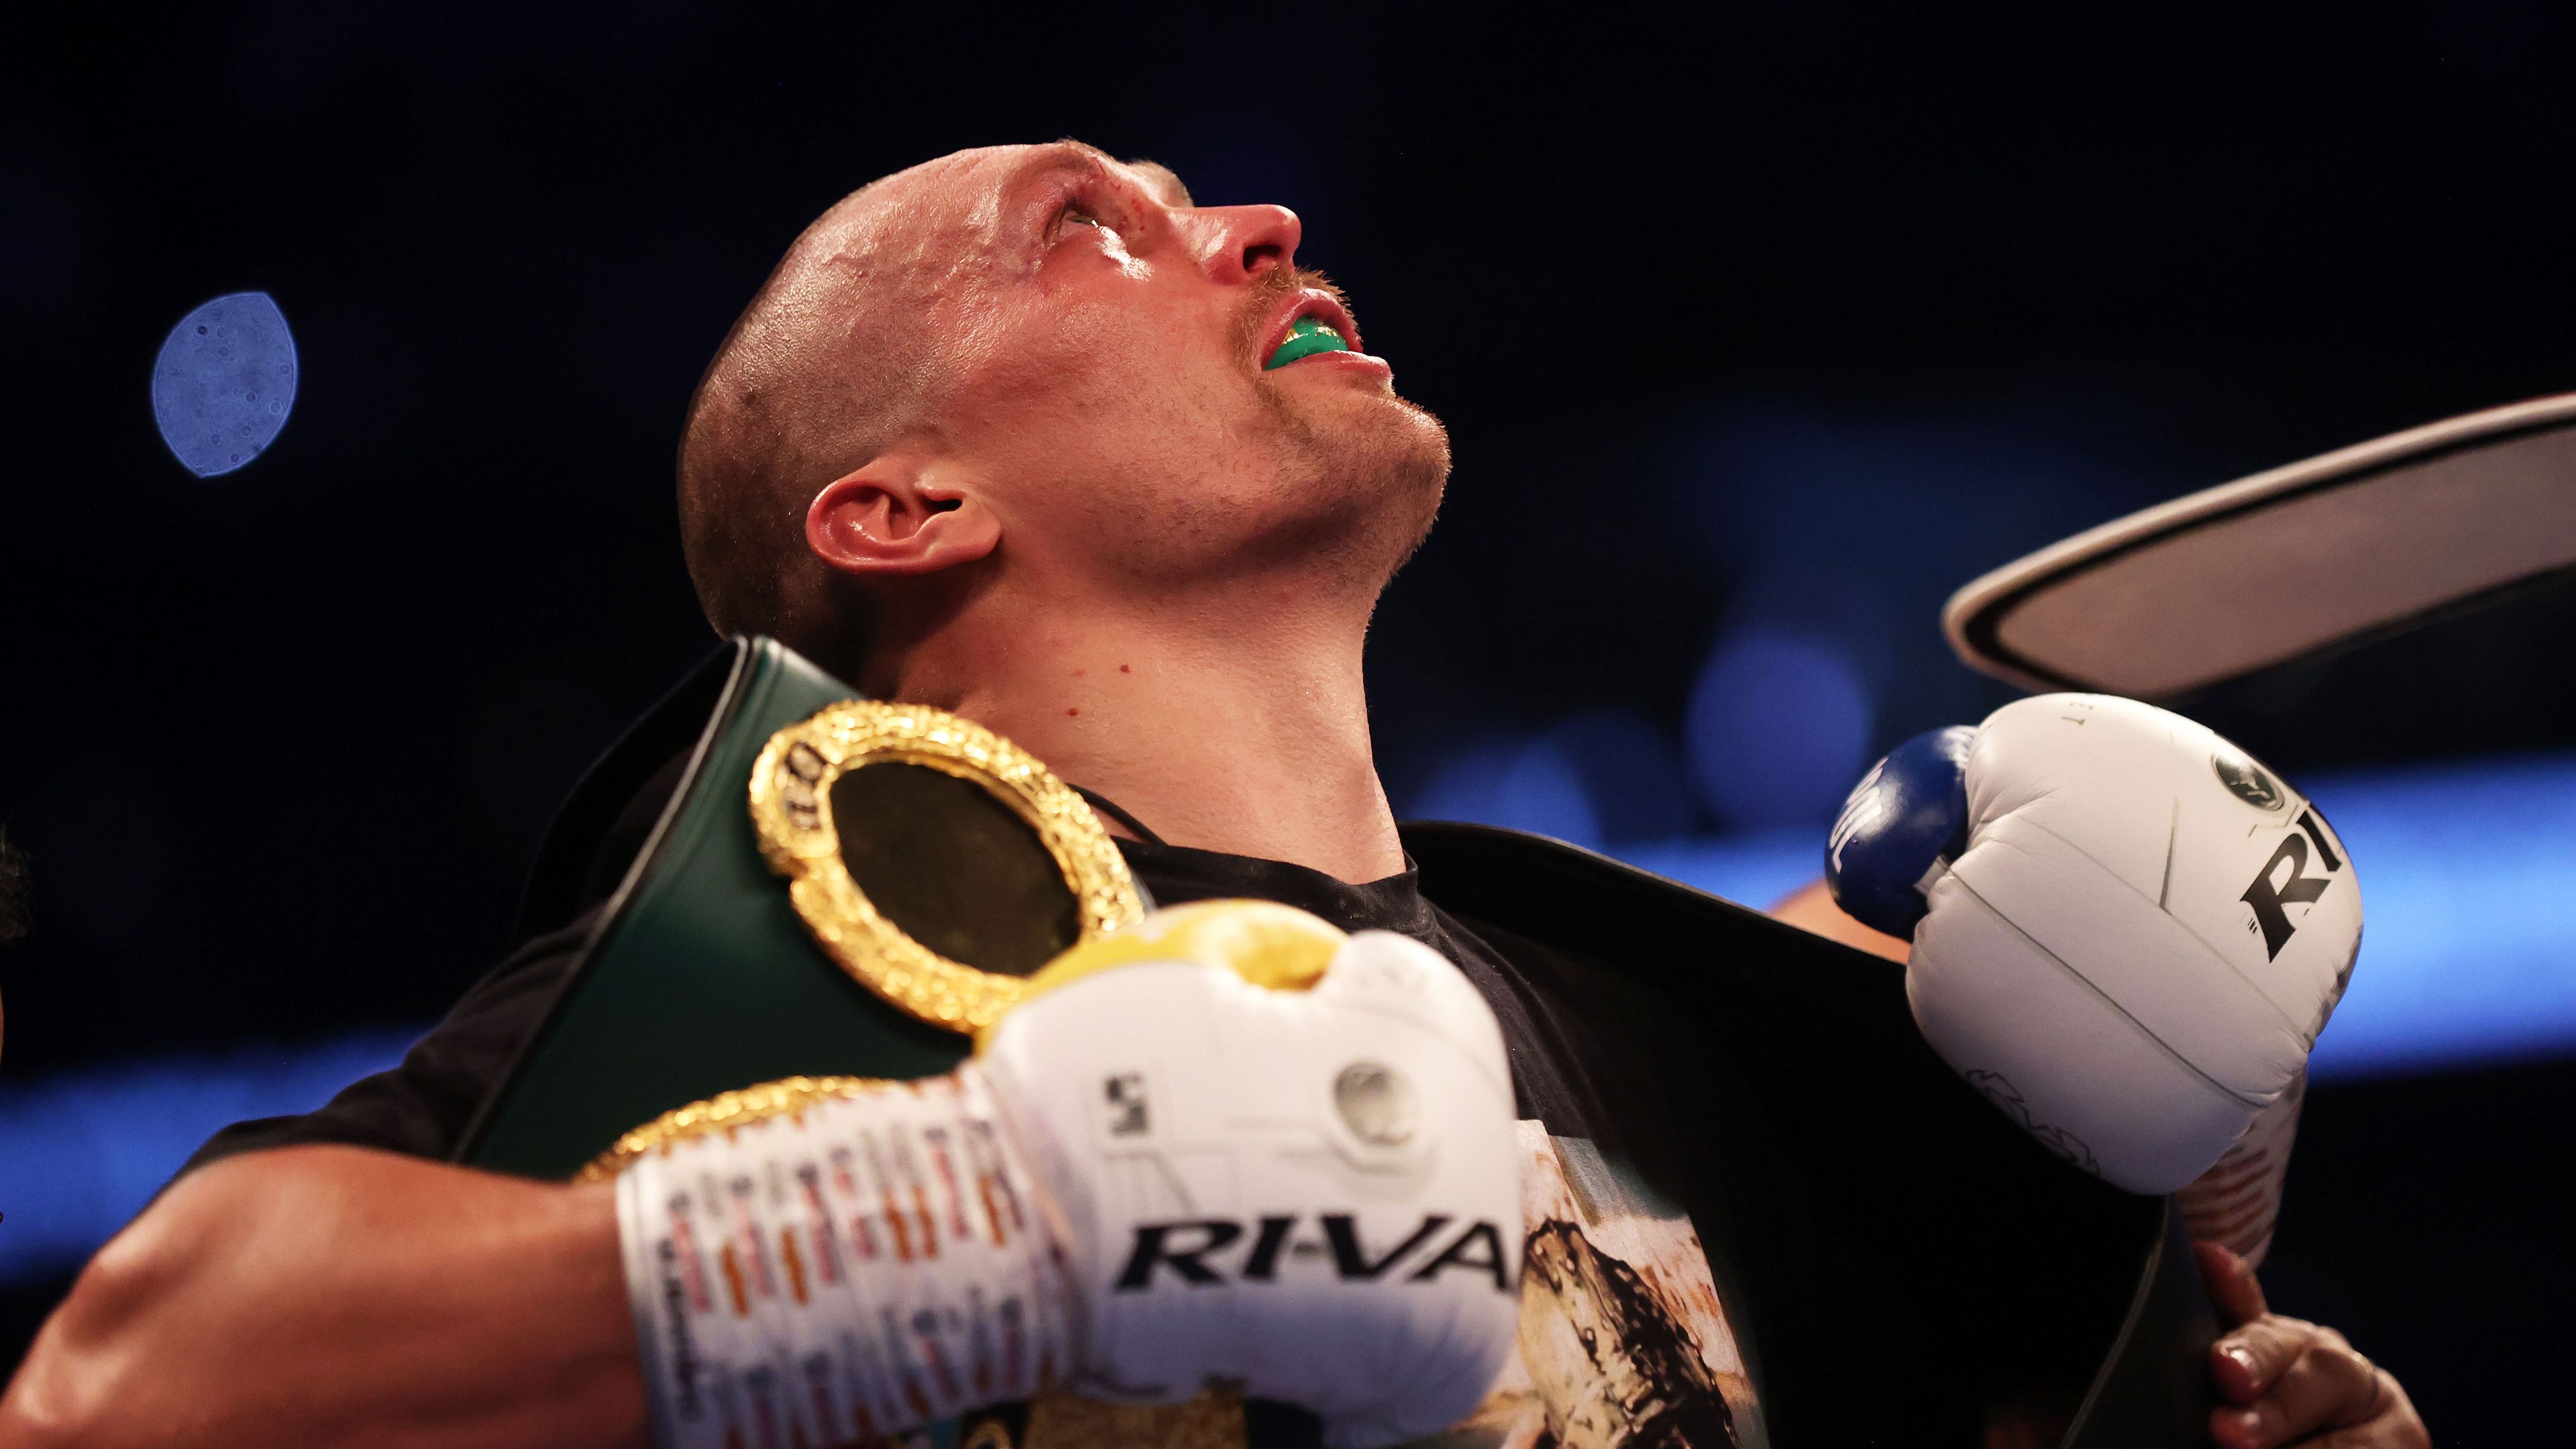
<point>935,861</point>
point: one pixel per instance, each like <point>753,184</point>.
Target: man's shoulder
<point>1585,903</point>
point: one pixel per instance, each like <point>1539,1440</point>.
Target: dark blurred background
<point>1757,333</point>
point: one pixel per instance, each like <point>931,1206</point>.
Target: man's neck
<point>1241,726</point>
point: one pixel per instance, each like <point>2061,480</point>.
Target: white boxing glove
<point>1228,1147</point>
<point>2129,937</point>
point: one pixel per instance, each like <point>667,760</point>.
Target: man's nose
<point>1239,243</point>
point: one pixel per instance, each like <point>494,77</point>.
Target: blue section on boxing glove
<point>1910,810</point>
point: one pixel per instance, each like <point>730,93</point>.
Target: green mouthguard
<point>1306,337</point>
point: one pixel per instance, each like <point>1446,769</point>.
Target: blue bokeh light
<point>1777,727</point>
<point>1631,772</point>
<point>1599,779</point>
<point>224,383</point>
<point>80,1154</point>
<point>1525,784</point>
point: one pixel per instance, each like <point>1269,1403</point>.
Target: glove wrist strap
<point>2237,1202</point>
<point>844,1271</point>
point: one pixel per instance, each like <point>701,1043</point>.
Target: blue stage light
<point>224,383</point>
<point>2470,956</point>
<point>1756,868</point>
<point>82,1153</point>
<point>2468,884</point>
<point>1777,725</point>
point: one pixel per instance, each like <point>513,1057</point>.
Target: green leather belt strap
<point>699,977</point>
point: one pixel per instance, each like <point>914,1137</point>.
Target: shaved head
<point>839,354</point>
<point>1081,351</point>
<point>835,358</point>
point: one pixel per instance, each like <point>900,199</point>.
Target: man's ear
<point>896,516</point>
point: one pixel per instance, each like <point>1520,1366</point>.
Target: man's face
<point>1117,375</point>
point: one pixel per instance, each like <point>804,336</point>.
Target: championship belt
<point>840,889</point>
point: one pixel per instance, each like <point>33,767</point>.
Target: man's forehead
<point>1058,157</point>
<point>1002,172</point>
<point>959,210</point>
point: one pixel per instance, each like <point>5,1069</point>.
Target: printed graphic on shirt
<point>1624,1343</point>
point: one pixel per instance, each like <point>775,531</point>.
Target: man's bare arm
<point>336,1296</point>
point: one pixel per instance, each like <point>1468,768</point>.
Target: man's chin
<point>1423,471</point>
<point>1378,426</point>
<point>1376,465</point>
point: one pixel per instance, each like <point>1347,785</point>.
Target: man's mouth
<point>1307,336</point>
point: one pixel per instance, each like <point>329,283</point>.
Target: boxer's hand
<point>1226,1147</point>
<point>2125,932</point>
<point>2290,1382</point>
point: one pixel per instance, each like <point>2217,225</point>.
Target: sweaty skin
<point>1010,409</point>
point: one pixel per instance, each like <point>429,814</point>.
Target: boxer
<point>1027,434</point>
